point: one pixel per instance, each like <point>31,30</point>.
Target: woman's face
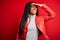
<point>33,9</point>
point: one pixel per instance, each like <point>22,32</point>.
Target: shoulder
<point>39,16</point>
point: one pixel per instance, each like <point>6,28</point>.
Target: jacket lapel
<point>40,25</point>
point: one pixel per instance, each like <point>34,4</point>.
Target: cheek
<point>33,10</point>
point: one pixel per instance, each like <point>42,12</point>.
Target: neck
<point>29,15</point>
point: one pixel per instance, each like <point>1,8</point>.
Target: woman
<point>31,24</point>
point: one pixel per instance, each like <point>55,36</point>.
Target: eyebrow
<point>34,5</point>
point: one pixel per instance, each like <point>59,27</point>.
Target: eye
<point>34,7</point>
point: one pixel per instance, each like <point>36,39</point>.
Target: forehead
<point>33,5</point>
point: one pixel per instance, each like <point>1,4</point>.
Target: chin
<point>34,14</point>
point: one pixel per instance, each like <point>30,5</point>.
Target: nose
<point>35,8</point>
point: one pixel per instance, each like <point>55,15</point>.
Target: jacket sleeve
<point>51,14</point>
<point>17,34</point>
<point>18,38</point>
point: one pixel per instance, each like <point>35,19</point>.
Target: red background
<point>12,10</point>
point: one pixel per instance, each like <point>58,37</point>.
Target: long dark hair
<point>25,16</point>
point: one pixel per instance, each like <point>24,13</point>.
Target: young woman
<point>31,24</point>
